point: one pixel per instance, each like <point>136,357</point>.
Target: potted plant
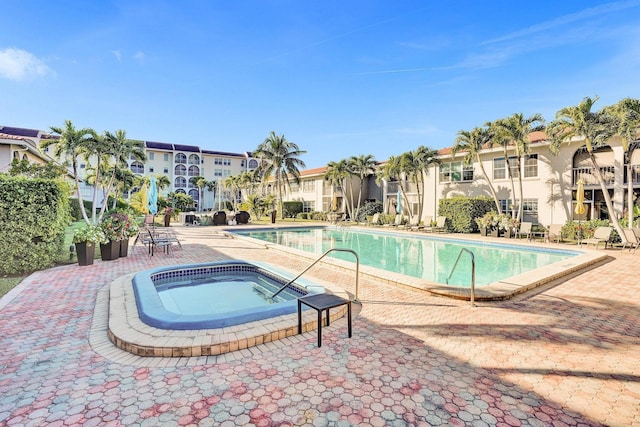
<point>168,212</point>
<point>85,240</point>
<point>484,223</point>
<point>129,229</point>
<point>113,227</point>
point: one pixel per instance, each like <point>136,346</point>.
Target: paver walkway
<point>569,355</point>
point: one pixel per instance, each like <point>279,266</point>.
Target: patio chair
<point>631,239</point>
<point>375,220</point>
<point>555,233</point>
<point>159,241</point>
<point>440,227</point>
<point>418,227</point>
<point>600,235</point>
<point>397,222</point>
<point>524,230</point>
<point>413,223</point>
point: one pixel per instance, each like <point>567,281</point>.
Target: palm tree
<point>361,166</point>
<point>280,158</point>
<point>627,115</point>
<point>391,170</point>
<point>473,142</point>
<point>595,129</point>
<point>233,183</point>
<point>337,174</point>
<point>424,158</point>
<point>516,129</point>
<point>200,182</point>
<point>68,145</point>
<point>502,139</point>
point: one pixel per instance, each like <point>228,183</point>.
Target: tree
<point>49,170</point>
<point>472,143</point>
<point>279,158</point>
<point>595,129</point>
<point>392,170</point>
<point>361,166</point>
<point>337,174</point>
<point>502,139</point>
<point>233,183</point>
<point>515,130</point>
<point>424,157</point>
<point>627,123</point>
<point>69,144</point>
<point>200,182</point>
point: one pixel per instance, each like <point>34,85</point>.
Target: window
<point>194,159</point>
<point>226,162</point>
<point>82,166</point>
<point>505,205</point>
<point>500,168</point>
<point>530,206</point>
<point>150,169</point>
<point>180,170</point>
<point>308,185</point>
<point>253,164</point>
<point>194,170</point>
<point>181,158</point>
<point>180,182</point>
<point>456,172</point>
<point>217,161</point>
<point>166,170</point>
<point>137,167</point>
<point>217,172</point>
<point>294,187</point>
<point>226,172</point>
<point>531,166</point>
<point>242,163</point>
<point>308,206</point>
<point>152,156</point>
<point>166,157</point>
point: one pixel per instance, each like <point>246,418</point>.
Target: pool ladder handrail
<point>473,273</point>
<point>316,261</point>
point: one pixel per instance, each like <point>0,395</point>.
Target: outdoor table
<point>323,302</point>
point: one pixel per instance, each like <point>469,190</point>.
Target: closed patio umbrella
<point>580,208</point>
<point>399,205</point>
<point>152,196</point>
<point>144,199</point>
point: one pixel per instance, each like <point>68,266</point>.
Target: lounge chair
<point>555,233</point>
<point>524,230</point>
<point>427,220</point>
<point>397,222</point>
<point>413,223</point>
<point>600,235</point>
<point>375,220</point>
<point>440,227</point>
<point>631,240</point>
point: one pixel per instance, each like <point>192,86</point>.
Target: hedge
<point>34,214</point>
<point>461,212</point>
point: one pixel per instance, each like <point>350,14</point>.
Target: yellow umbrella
<point>144,199</point>
<point>580,208</point>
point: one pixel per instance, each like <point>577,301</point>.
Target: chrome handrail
<point>473,273</point>
<point>316,261</point>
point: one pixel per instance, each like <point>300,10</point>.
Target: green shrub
<point>461,212</point>
<point>34,214</point>
<point>74,208</point>
<point>292,209</point>
<point>368,209</point>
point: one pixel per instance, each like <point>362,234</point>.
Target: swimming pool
<point>215,295</point>
<point>424,257</point>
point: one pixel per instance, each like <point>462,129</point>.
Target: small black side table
<point>323,302</point>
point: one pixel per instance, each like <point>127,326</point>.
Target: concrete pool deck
<point>564,354</point>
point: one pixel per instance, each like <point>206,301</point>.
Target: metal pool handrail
<point>316,261</point>
<point>473,273</point>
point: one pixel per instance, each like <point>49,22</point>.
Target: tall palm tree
<point>424,158</point>
<point>279,158</point>
<point>68,145</point>
<point>232,183</point>
<point>502,139</point>
<point>200,182</point>
<point>472,143</point>
<point>595,129</point>
<point>361,166</point>
<point>627,123</point>
<point>515,130</point>
<point>337,174</point>
<point>390,170</point>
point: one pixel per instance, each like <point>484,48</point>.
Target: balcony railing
<point>409,187</point>
<point>588,178</point>
<point>635,174</point>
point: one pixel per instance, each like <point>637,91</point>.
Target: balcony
<point>394,186</point>
<point>589,179</point>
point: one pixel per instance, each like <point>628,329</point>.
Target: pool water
<point>425,257</point>
<point>222,295</point>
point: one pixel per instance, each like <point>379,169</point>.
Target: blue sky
<point>339,78</point>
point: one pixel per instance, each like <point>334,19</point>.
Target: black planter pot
<point>85,251</point>
<point>110,251</point>
<point>124,248</point>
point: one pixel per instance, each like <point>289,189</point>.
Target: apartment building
<point>176,161</point>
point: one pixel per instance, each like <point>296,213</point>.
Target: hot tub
<point>216,295</point>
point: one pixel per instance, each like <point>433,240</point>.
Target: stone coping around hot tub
<point>129,333</point>
<point>153,312</point>
<point>496,291</point>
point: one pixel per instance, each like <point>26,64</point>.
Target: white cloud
<point>18,64</point>
<point>139,56</point>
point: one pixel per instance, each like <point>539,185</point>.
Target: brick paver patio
<point>568,355</point>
